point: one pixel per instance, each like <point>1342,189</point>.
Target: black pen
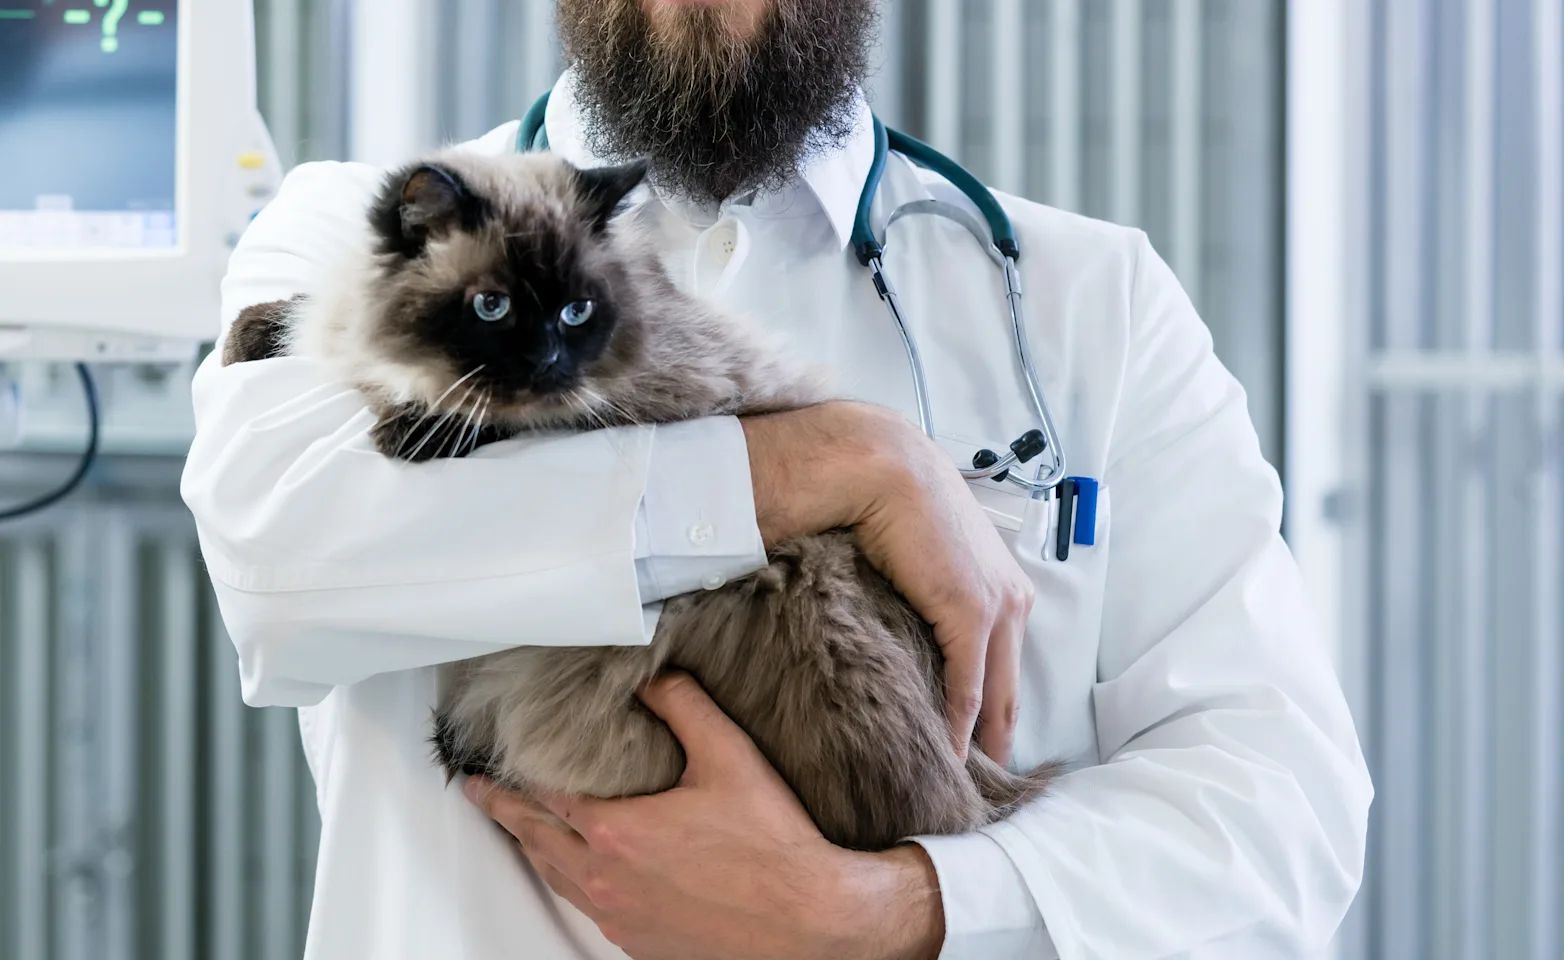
<point>1066,520</point>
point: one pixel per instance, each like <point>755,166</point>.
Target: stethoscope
<point>998,240</point>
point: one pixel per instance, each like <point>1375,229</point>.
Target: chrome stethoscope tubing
<point>1034,386</point>
<point>1045,479</point>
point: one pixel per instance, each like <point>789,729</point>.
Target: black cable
<point>90,389</point>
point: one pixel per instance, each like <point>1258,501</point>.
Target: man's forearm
<point>889,906</point>
<point>815,469</point>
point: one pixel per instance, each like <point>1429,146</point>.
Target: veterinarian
<point>1218,799</point>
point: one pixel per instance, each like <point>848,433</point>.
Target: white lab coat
<point>1220,803</point>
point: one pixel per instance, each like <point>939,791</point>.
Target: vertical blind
<point>145,812</point>
<point>1460,529</point>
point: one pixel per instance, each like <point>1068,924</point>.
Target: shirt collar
<point>835,177</point>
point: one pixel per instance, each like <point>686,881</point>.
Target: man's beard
<point>716,114</point>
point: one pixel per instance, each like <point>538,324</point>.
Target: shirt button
<point>701,533</point>
<point>713,581</point>
<point>724,241</point>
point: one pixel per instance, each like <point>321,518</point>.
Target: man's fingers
<point>964,669</point>
<point>537,832</point>
<point>709,738</point>
<point>541,836</point>
<point>565,888</point>
<point>1001,701</point>
<point>579,812</point>
<point>489,797</point>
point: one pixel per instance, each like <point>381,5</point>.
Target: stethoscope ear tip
<point>1029,444</point>
<point>984,459</point>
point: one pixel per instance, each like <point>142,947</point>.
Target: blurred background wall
<point>1408,389</point>
<point>1427,384</point>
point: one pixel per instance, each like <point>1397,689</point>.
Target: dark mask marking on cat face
<point>524,289</point>
<point>536,344</point>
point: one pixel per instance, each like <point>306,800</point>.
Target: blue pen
<point>1085,511</point>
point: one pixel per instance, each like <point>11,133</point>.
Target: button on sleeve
<point>696,528</point>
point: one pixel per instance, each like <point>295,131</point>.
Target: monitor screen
<point>88,124</point>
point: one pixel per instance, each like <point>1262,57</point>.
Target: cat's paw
<point>260,331</point>
<point>414,433</point>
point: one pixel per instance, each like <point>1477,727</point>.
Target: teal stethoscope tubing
<point>998,239</point>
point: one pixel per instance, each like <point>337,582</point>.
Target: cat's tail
<point>1006,792</point>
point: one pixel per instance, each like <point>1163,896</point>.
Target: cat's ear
<point>432,199</point>
<point>603,189</point>
<point>421,202</point>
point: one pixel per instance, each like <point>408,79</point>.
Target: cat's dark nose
<point>544,356</point>
<point>550,362</point>
<point>545,351</point>
<point>548,374</point>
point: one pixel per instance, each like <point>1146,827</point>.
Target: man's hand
<point>865,467</point>
<point>725,865</point>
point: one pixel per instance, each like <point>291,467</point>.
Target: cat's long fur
<point>816,656</point>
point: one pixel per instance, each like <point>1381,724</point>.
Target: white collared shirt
<point>1219,804</point>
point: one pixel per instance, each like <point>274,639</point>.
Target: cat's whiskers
<point>430,435</point>
<point>435,407</point>
<point>476,418</point>
<point>571,399</point>
<point>613,405</point>
<point>458,432</point>
<point>412,432</point>
<point>581,394</point>
<point>586,409</point>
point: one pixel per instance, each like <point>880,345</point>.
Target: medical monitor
<point>131,158</point>
<point>89,127</point>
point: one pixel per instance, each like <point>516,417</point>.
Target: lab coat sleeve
<point>332,563</point>
<point>1228,815</point>
<point>696,526</point>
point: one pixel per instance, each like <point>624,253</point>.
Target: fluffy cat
<point>499,296</point>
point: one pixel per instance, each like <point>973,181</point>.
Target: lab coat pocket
<point>1063,634</point>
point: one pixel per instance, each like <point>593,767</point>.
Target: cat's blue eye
<point>575,314</point>
<point>491,306</point>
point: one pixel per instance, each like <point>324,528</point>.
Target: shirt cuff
<point>696,527</point>
<point>989,912</point>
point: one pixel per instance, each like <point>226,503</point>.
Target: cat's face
<point>501,287</point>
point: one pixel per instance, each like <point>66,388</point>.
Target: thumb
<point>710,740</point>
